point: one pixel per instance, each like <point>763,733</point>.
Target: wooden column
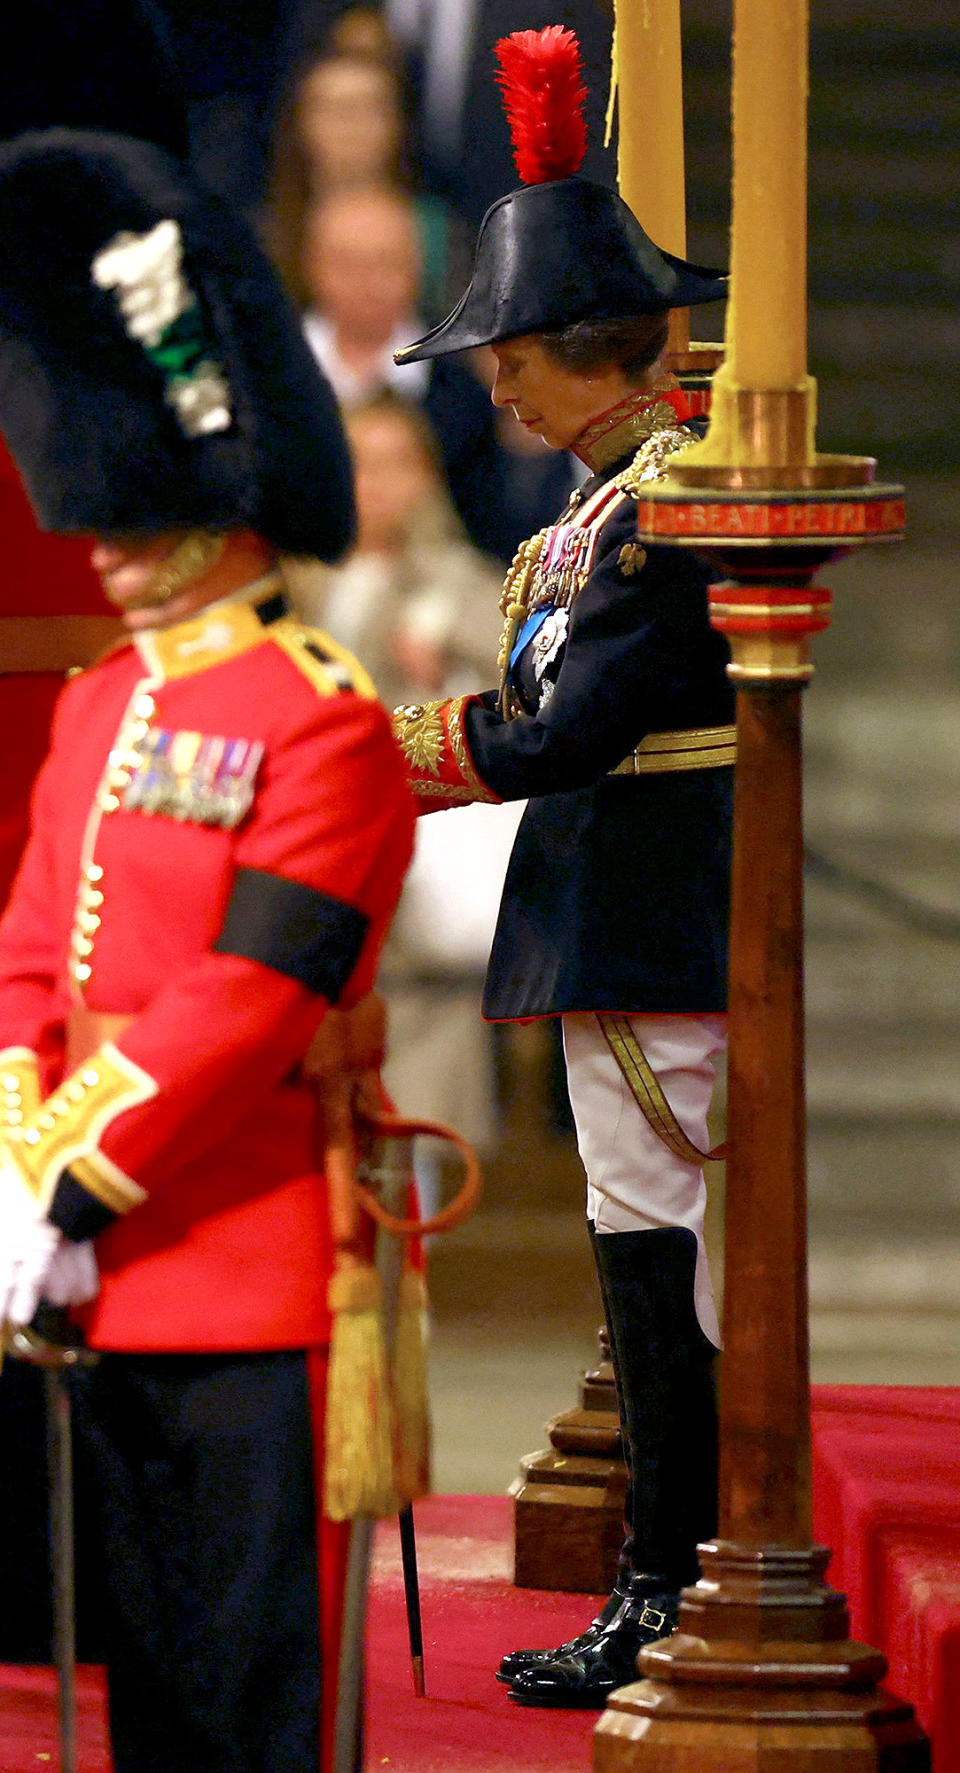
<point>765,1453</point>
<point>762,1676</point>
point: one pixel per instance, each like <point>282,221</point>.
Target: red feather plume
<point>541,79</point>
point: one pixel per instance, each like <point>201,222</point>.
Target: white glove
<point>73,1277</point>
<point>35,1256</point>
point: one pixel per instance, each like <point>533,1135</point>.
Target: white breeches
<point>634,1183</point>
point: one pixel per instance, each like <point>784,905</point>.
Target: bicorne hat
<point>560,249</point>
<point>153,375</point>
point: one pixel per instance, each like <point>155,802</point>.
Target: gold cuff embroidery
<point>107,1183</point>
<point>419,730</point>
<point>71,1122</point>
<point>432,739</point>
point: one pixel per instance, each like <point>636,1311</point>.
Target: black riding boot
<point>516,1660</point>
<point>664,1370</point>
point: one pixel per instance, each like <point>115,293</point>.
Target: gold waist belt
<point>696,748</point>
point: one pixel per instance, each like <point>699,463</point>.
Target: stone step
<point>873,1179</point>
<point>868,1069</point>
<point>892,982</point>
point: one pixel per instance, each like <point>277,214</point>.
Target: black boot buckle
<point>651,1619</point>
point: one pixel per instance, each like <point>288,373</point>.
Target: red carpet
<point>886,1497</point>
<point>471,1615</point>
<point>886,1470</point>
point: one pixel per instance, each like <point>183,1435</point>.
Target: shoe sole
<point>560,1701</point>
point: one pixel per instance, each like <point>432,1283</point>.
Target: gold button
<point>74,1091</point>
<point>139,730</point>
<point>82,973</point>
<point>144,706</point>
<point>47,1122</point>
<point>11,1081</point>
<point>31,1136</point>
<point>93,899</point>
<point>13,1117</point>
<point>58,1106</point>
<point>90,921</point>
<point>108,803</point>
<point>90,1078</point>
<point>119,778</point>
<point>93,871</point>
<point>83,945</point>
<point>13,1098</point>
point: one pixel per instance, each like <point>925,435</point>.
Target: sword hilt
<point>46,1342</point>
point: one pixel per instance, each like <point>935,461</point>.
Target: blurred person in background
<point>448,43</point>
<point>361,266</point>
<point>343,127</point>
<point>419,606</point>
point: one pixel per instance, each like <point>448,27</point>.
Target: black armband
<point>294,929</point>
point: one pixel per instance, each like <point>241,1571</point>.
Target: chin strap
<point>193,556</point>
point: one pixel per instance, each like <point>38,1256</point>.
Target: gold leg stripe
<point>642,1081</point>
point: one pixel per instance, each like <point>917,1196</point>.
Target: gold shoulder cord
<point>514,599</point>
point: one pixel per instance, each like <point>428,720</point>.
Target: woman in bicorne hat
<point>612,718</point>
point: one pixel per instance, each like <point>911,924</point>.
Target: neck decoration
<point>622,428</point>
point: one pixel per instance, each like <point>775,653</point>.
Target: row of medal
<point>202,777</point>
<point>565,562</point>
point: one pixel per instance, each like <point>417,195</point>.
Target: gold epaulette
<point>328,665</point>
<point>651,461</point>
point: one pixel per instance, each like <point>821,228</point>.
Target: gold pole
<point>764,403</point>
<point>649,78</point>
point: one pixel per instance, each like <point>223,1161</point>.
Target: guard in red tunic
<point>218,840</point>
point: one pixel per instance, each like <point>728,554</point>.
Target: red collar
<point>623,427</point>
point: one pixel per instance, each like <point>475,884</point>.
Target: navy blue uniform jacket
<point>617,892</point>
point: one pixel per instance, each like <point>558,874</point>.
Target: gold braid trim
<point>71,1122</point>
<point>458,745</point>
<point>514,599</point>
<point>644,1086</point>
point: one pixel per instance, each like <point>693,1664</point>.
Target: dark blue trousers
<point>201,1469</point>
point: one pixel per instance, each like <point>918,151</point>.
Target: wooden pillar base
<point>569,1497</point>
<point>761,1677</point>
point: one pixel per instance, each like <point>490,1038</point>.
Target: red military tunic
<point>200,939</point>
